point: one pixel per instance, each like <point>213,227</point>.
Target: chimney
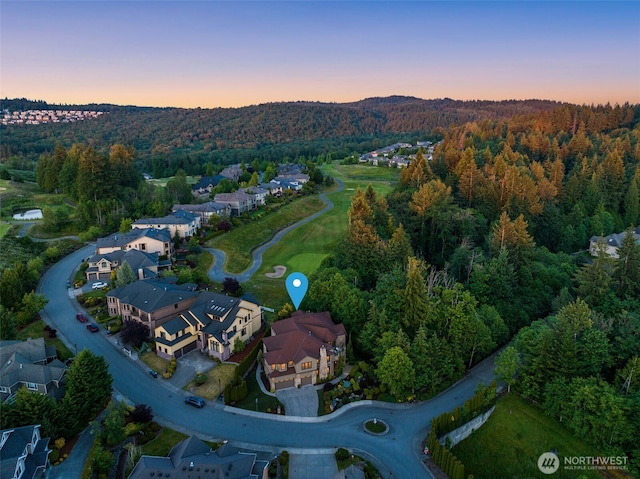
<point>140,274</point>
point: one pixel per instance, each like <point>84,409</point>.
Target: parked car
<point>81,317</point>
<point>93,328</point>
<point>99,285</point>
<point>153,373</point>
<point>194,401</point>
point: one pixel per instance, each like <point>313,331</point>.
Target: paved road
<point>397,454</point>
<point>217,272</point>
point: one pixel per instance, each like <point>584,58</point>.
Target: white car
<point>99,285</point>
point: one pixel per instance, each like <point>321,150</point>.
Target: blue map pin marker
<point>297,284</point>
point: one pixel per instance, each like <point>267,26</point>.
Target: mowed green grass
<point>304,248</point>
<point>239,242</point>
<point>4,227</point>
<point>509,444</point>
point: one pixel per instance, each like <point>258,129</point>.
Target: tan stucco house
<point>303,349</point>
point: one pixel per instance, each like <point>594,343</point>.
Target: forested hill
<point>267,131</point>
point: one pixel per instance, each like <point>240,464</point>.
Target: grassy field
<point>239,242</point>
<point>510,442</point>
<point>4,227</point>
<point>264,401</point>
<point>217,379</point>
<point>305,247</point>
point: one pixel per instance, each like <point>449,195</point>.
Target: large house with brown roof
<point>303,349</point>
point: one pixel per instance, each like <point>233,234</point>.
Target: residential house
<point>23,453</point>
<point>259,194</point>
<point>273,188</point>
<point>151,302</point>
<point>300,178</point>
<point>612,242</point>
<point>31,364</point>
<point>233,172</point>
<point>206,210</point>
<point>180,222</point>
<point>205,185</point>
<point>302,349</point>
<point>149,240</point>
<point>213,323</point>
<point>144,265</point>
<point>239,202</point>
<point>192,458</point>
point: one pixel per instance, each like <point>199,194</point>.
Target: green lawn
<point>217,379</point>
<point>509,443</point>
<point>36,330</point>
<point>264,401</point>
<point>305,247</point>
<point>4,227</point>
<point>162,444</point>
<point>239,242</point>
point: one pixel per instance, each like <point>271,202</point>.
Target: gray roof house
<point>181,222</point>
<point>23,453</point>
<point>206,183</point>
<point>193,458</point>
<point>31,364</point>
<point>212,323</point>
<point>149,240</point>
<point>611,242</point>
<point>151,302</point>
<point>144,265</point>
<point>206,210</point>
<point>239,202</point>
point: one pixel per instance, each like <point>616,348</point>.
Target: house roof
<point>301,336</point>
<point>236,196</point>
<point>208,207</point>
<point>616,239</point>
<point>179,217</point>
<point>194,456</point>
<point>17,369</point>
<point>119,240</point>
<point>207,181</point>
<point>12,448</point>
<point>137,259</point>
<point>151,295</point>
<point>34,350</point>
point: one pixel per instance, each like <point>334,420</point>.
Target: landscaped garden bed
<point>359,385</point>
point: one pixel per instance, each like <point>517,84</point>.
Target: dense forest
<point>166,139</point>
<point>485,245</point>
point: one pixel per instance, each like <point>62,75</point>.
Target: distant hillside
<point>223,135</point>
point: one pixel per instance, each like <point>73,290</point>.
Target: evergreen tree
<point>416,308</point>
<point>125,275</point>
<point>397,372</point>
<point>88,387</point>
<point>627,272</point>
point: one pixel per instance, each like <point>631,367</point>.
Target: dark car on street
<point>81,317</point>
<point>194,401</point>
<point>153,373</point>
<point>93,328</point>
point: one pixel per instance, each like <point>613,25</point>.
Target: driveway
<point>312,466</point>
<point>188,365</point>
<point>299,401</point>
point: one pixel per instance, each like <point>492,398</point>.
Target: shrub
<point>54,455</point>
<point>200,379</point>
<point>342,454</point>
<point>284,458</point>
<point>141,414</point>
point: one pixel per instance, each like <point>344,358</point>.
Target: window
<point>282,367</point>
<point>32,386</point>
<point>244,331</point>
<point>4,389</point>
<point>290,364</point>
<point>163,335</point>
<point>306,365</point>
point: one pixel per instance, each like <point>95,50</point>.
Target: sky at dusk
<point>231,54</point>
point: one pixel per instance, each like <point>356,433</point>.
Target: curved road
<point>398,451</point>
<point>217,273</point>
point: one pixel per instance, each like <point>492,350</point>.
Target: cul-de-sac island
<point>472,307</point>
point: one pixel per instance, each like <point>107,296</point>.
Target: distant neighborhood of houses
<point>390,155</point>
<point>37,117</point>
